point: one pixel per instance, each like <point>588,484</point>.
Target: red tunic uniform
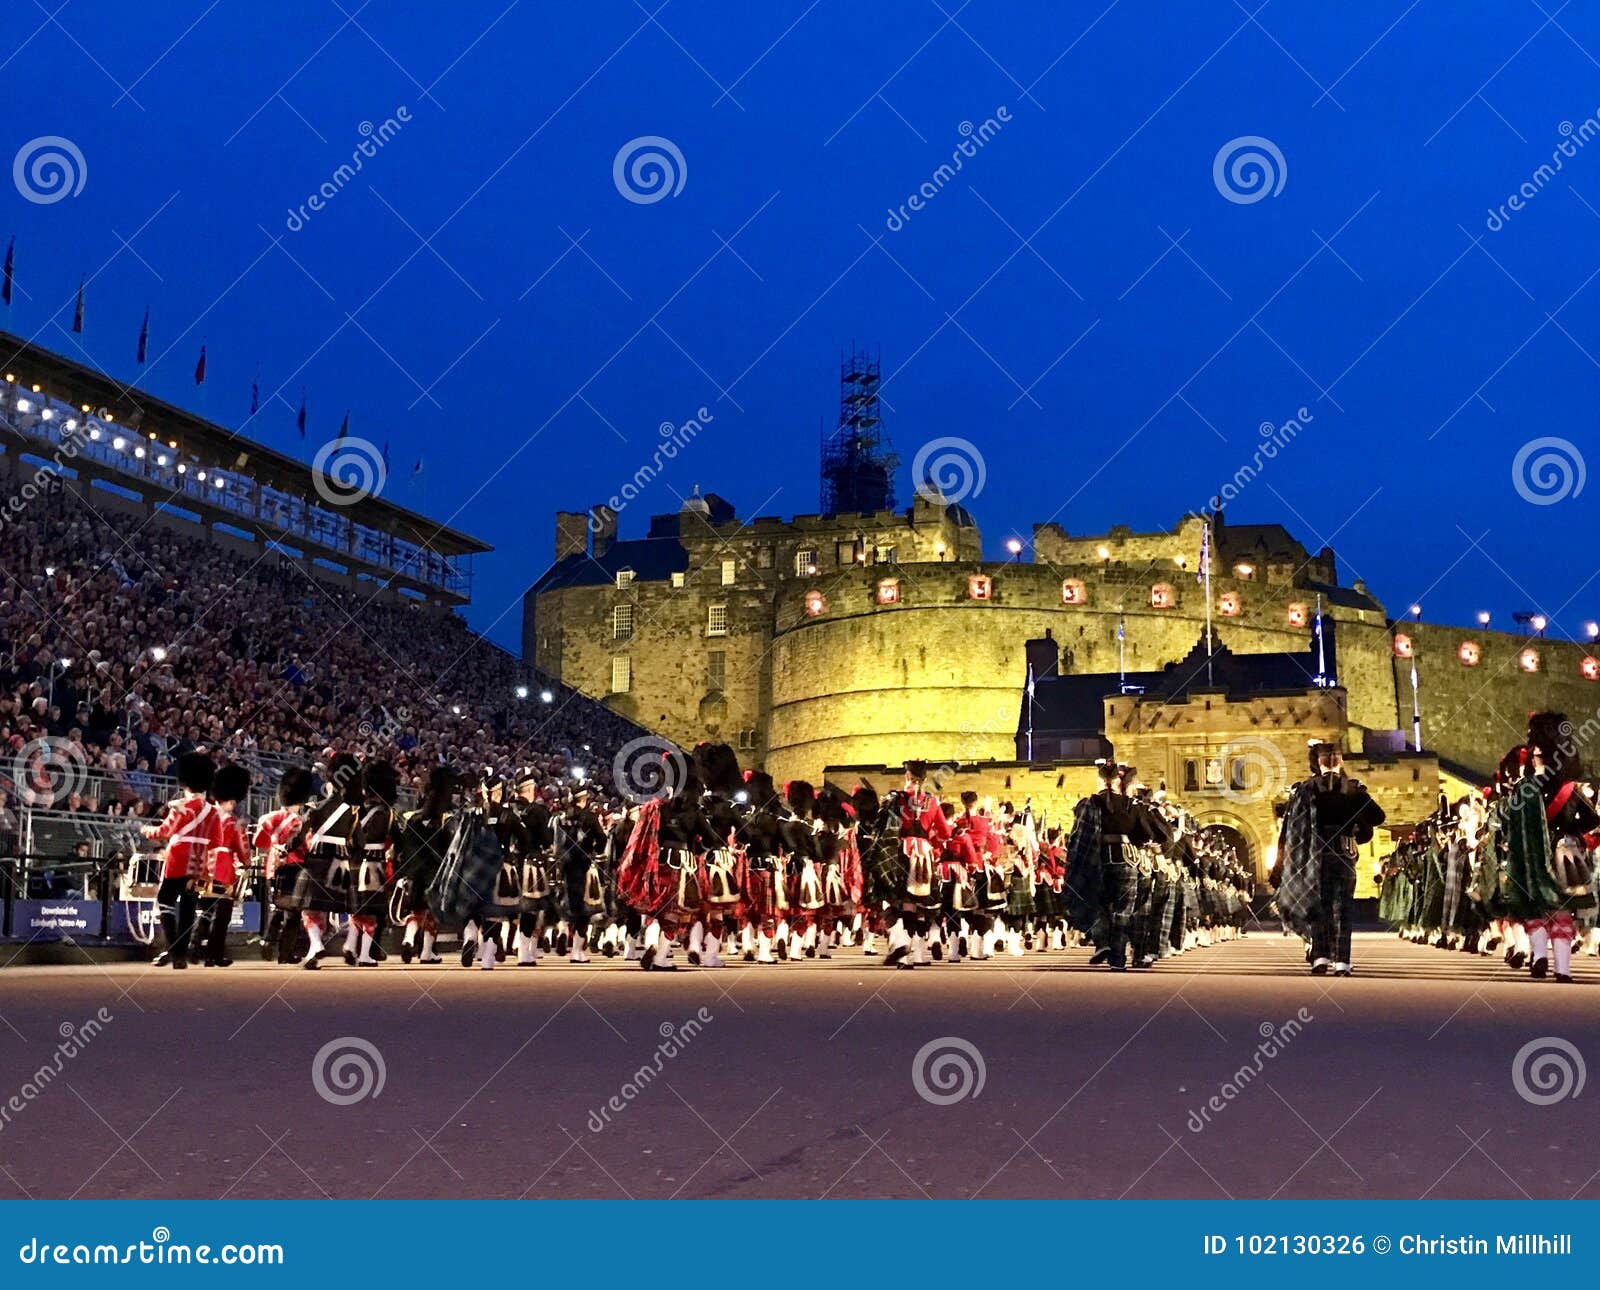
<point>187,830</point>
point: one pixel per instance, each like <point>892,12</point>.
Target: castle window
<point>1162,596</point>
<point>1244,572</point>
<point>1191,776</point>
<point>764,557</point>
<point>884,555</point>
<point>678,579</point>
<point>1298,617</point>
<point>622,622</point>
<point>1074,592</point>
<point>846,553</point>
<point>805,561</point>
<point>979,587</point>
<point>814,604</point>
<point>730,572</point>
<point>889,591</point>
<point>621,674</point>
<point>1529,660</point>
<point>624,578</point>
<point>1403,648</point>
<point>1468,653</point>
<point>716,669</point>
<point>1230,605</point>
<point>716,620</point>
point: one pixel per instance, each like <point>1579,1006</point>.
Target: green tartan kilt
<point>1019,896</point>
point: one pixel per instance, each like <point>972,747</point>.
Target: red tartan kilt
<point>760,899</point>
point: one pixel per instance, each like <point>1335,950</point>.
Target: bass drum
<point>141,877</point>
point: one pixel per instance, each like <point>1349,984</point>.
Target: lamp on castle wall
<point>815,604</point>
<point>1468,653</point>
<point>889,591</point>
<point>1403,648</point>
<point>1074,592</point>
<point>1162,596</point>
<point>1589,668</point>
<point>1298,615</point>
<point>979,587</point>
<point>1529,660</point>
<point>1229,604</point>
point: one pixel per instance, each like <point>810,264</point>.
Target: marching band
<point>727,866</point>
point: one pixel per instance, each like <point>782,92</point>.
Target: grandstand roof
<point>74,382</point>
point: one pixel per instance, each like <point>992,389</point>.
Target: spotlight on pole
<point>1591,630</point>
<point>1483,617</point>
<point>546,697</point>
<point>1416,612</point>
<point>522,692</point>
<point>1014,545</point>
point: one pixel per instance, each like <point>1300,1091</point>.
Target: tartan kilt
<point>1047,902</point>
<point>1019,896</point>
<point>760,904</point>
<point>883,872</point>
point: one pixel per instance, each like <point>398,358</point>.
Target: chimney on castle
<point>572,534</point>
<point>603,524</point>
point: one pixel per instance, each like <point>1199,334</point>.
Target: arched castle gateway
<point>861,640</point>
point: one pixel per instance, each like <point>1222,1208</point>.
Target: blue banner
<point>1313,1243</point>
<point>55,920</point>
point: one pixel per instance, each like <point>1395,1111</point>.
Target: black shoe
<point>161,959</point>
<point>222,962</point>
<point>180,963</point>
<point>349,958</point>
<point>1540,969</point>
<point>782,948</point>
<point>1563,978</point>
<point>1119,967</point>
<point>469,951</point>
<point>311,964</point>
<point>366,962</point>
<point>694,957</point>
<point>1343,971</point>
<point>377,950</point>
<point>1517,958</point>
<point>1319,969</point>
<point>408,951</point>
<point>937,951</point>
<point>609,949</point>
<point>563,945</point>
<point>893,957</point>
<point>647,960</point>
<point>1099,956</point>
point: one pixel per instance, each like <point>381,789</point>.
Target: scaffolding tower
<point>858,462</point>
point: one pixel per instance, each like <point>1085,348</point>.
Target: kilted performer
<point>226,863</point>
<point>1327,818</point>
<point>373,864</point>
<point>280,865</point>
<point>840,864</point>
<point>186,828</point>
<point>716,868</point>
<point>1550,837</point>
<point>759,839</point>
<point>537,837</point>
<point>1103,869</point>
<point>923,833</point>
<point>420,846</point>
<point>579,844</point>
<point>658,876</point>
<point>326,839</point>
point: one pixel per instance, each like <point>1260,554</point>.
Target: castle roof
<point>652,559</point>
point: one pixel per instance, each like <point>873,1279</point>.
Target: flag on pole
<point>255,392</point>
<point>200,368</point>
<point>1204,567</point>
<point>301,419</point>
<point>144,336</point>
<point>77,313</point>
<point>10,271</point>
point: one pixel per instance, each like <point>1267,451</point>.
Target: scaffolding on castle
<point>858,462</point>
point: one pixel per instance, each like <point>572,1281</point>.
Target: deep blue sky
<point>1426,361</point>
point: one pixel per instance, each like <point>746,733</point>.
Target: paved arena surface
<point>799,1080</point>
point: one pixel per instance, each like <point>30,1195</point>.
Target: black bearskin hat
<point>295,788</point>
<point>801,796</point>
<point>1550,735</point>
<point>344,778</point>
<point>717,767</point>
<point>865,799</point>
<point>196,771</point>
<point>230,784</point>
<point>830,808</point>
<point>760,789</point>
<point>383,782</point>
<point>917,771</point>
<point>969,799</point>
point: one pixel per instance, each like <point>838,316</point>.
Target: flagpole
<point>1322,657</point>
<point>1122,654</point>
<point>1030,711</point>
<point>1416,709</point>
<point>1207,570</point>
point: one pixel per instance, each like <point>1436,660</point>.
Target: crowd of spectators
<point>127,642</point>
